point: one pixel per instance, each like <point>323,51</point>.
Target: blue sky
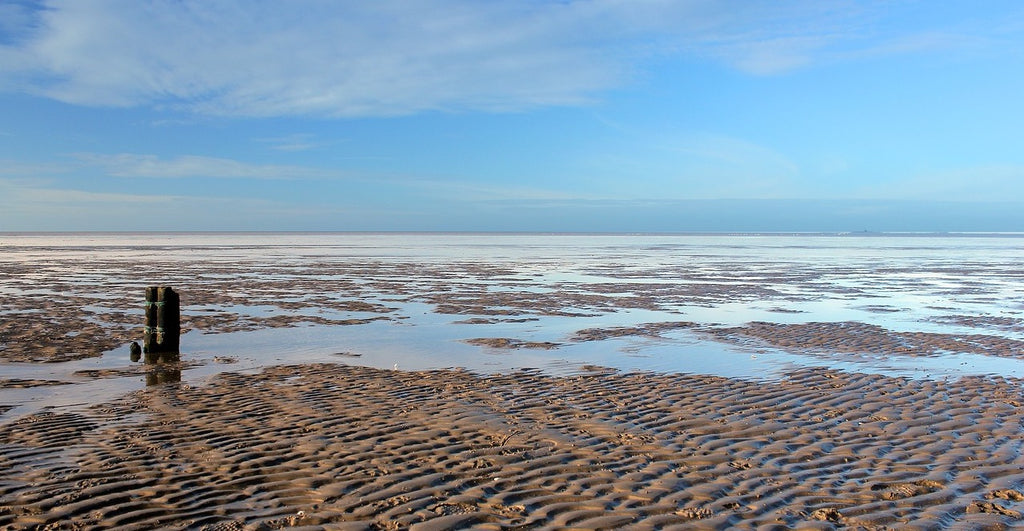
<point>600,115</point>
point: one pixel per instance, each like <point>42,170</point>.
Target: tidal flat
<point>387,380</point>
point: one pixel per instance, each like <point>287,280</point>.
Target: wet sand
<point>362,448</point>
<point>337,446</point>
<point>862,338</point>
<point>73,297</point>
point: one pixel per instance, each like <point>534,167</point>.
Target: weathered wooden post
<point>163,325</point>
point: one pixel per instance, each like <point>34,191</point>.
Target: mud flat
<point>362,448</point>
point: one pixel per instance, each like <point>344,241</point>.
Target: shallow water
<point>536,287</point>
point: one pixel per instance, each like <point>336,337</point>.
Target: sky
<point>531,115</point>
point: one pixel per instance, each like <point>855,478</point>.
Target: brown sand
<point>854,337</point>
<point>360,448</point>
<point>510,343</point>
<point>340,446</point>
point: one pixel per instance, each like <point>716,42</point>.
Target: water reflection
<point>161,374</point>
<point>162,357</point>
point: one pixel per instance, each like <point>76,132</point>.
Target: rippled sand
<point>354,447</point>
<point>258,443</point>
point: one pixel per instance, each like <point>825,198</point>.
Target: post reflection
<point>162,375</point>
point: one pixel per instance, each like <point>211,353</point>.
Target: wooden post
<point>149,337</point>
<point>168,320</point>
<point>163,325</point>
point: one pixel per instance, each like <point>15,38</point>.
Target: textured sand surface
<point>362,448</point>
<point>353,447</point>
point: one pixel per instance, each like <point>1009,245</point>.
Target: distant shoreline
<point>862,233</point>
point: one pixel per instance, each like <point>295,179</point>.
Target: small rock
<point>828,514</point>
<point>1006,494</point>
<point>135,351</point>
<point>991,508</point>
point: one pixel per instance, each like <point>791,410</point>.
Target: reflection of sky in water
<point>903,283</point>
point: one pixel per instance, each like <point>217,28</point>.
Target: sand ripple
<point>855,337</point>
<point>356,447</point>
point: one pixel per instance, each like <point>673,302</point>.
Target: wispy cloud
<point>393,57</point>
<point>262,58</point>
<point>17,20</point>
<point>294,142</point>
<point>133,165</point>
<point>24,193</point>
<point>692,165</point>
<point>35,206</point>
<point>152,166</point>
<point>734,155</point>
<point>24,170</point>
<point>992,183</point>
<point>465,191</point>
<point>32,205</point>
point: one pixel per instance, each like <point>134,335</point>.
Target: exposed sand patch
<point>647,329</point>
<point>983,321</point>
<point>852,337</point>
<point>28,382</point>
<point>333,445</point>
<point>509,343</point>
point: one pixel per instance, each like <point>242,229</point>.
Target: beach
<point>522,381</point>
<point>354,447</point>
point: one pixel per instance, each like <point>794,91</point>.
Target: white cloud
<point>139,165</point>
<point>265,58</point>
<point>393,57</point>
